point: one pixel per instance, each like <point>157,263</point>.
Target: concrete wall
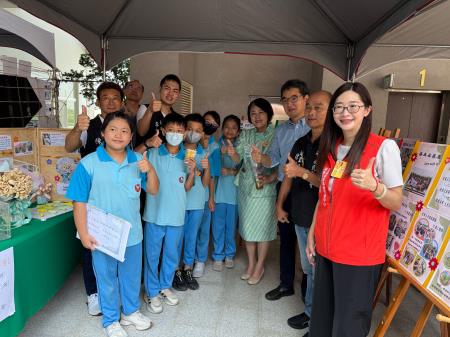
<point>406,76</point>
<point>223,82</point>
<point>150,68</point>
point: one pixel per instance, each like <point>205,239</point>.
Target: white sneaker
<point>218,265</point>
<point>137,319</point>
<point>199,269</point>
<point>154,304</point>
<point>93,305</point>
<point>115,330</point>
<point>169,297</point>
<point>229,262</point>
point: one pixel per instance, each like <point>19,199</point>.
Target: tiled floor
<point>223,306</point>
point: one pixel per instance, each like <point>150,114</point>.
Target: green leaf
<point>92,75</point>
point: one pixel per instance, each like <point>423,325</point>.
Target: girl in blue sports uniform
<point>209,143</point>
<point>225,214</point>
<point>110,179</point>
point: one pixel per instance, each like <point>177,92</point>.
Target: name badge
<point>339,169</point>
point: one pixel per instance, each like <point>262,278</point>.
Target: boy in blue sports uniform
<point>195,201</point>
<point>110,179</point>
<point>225,214</point>
<point>212,123</point>
<point>164,213</point>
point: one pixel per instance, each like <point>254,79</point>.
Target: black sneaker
<point>279,292</point>
<point>299,321</point>
<point>191,282</point>
<point>178,281</point>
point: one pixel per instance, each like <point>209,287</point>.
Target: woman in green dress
<point>256,189</point>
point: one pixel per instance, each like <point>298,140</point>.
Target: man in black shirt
<point>150,122</point>
<point>301,180</point>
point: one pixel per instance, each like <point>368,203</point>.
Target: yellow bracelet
<point>381,196</point>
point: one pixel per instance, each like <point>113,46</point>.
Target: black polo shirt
<point>155,124</point>
<point>303,194</point>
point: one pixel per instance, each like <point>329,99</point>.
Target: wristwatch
<point>146,146</point>
<point>305,176</point>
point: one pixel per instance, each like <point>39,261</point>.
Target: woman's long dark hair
<point>332,133</point>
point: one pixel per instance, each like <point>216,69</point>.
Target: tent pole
<point>55,96</point>
<point>350,55</point>
<point>103,65</point>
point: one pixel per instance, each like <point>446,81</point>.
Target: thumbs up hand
<point>224,147</point>
<point>256,154</point>
<point>156,104</point>
<point>155,141</point>
<point>292,169</point>
<point>205,162</point>
<point>363,178</point>
<point>83,119</point>
<point>230,148</point>
<point>143,164</point>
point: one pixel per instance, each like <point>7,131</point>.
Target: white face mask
<point>193,137</point>
<point>174,138</point>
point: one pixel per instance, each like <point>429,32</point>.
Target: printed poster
<point>424,243</point>
<point>440,199</point>
<point>7,305</point>
<point>406,148</point>
<point>6,164</point>
<point>23,148</point>
<point>440,282</point>
<point>53,138</point>
<point>399,225</point>
<point>5,143</point>
<point>422,168</point>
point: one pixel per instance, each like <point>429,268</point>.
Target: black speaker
<point>18,101</point>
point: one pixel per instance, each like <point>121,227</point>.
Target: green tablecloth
<point>45,253</point>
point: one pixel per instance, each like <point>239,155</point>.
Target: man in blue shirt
<point>294,94</point>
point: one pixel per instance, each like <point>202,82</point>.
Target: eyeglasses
<point>293,99</point>
<point>351,108</point>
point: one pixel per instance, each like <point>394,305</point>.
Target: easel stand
<point>397,299</point>
<point>385,278</point>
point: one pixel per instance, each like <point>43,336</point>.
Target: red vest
<point>351,225</point>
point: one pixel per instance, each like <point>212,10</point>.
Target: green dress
<point>257,218</point>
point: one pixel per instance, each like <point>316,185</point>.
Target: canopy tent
<point>426,36</point>
<point>20,34</point>
<point>335,34</point>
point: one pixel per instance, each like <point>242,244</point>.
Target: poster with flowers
<point>422,168</point>
<point>58,171</point>
<point>440,280</point>
<point>429,231</point>
<point>399,226</point>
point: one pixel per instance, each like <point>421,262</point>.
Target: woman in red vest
<point>361,183</point>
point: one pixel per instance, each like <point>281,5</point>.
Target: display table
<point>45,253</point>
